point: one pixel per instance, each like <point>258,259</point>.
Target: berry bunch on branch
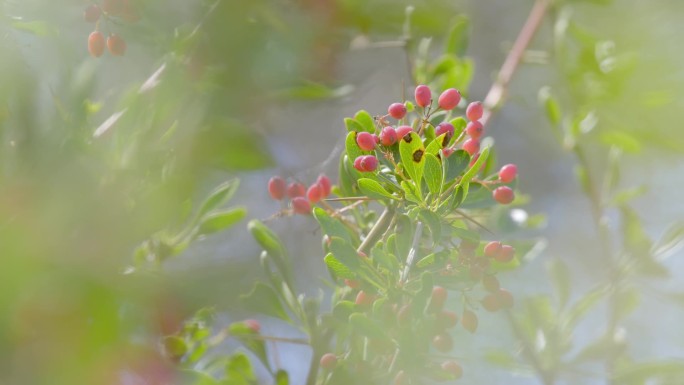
<point>109,14</point>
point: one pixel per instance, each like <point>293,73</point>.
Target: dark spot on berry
<point>418,155</point>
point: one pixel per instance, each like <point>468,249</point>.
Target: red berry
<point>490,283</point>
<point>505,298</point>
<point>471,146</point>
<point>277,187</point>
<point>388,136</point>
<point>314,193</point>
<point>366,163</point>
<point>116,45</point>
<point>474,129</point>
<point>296,189</point>
<point>469,321</point>
<point>354,284</point>
<point>454,368</point>
<point>92,13</point>
<point>439,296</point>
<point>397,110</point>
<point>96,44</point>
<point>449,99</point>
<point>324,182</point>
<point>503,195</point>
<point>492,249</point>
<point>402,131</point>
<point>447,319</point>
<point>423,96</point>
<point>366,141</point>
<point>506,254</point>
<point>491,302</point>
<point>253,324</point>
<point>445,128</point>
<point>443,342</point>
<point>328,361</point>
<point>508,173</point>
<point>364,299</point>
<point>474,111</point>
<point>301,206</point>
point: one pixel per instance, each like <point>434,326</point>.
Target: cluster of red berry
<point>301,197</point>
<point>120,9</point>
<point>447,101</point>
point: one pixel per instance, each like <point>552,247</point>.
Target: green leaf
<point>239,370</point>
<point>345,253</point>
<point>282,378</point>
<point>384,259</point>
<point>193,377</point>
<point>455,164</point>
<point>560,278</point>
<point>434,146</point>
<point>263,299</point>
<point>644,371</point>
<point>434,224</point>
<point>624,141</point>
<point>337,269</point>
<point>222,220</point>
<point>501,358</point>
<point>343,310</point>
<point>352,148</point>
<point>245,335</point>
<point>219,196</point>
<point>270,242</point>
<point>584,304</point>
<point>352,125</point>
<point>332,227</point>
<point>367,327</point>
<point>175,347</point>
<point>433,173</point>
<point>457,40</point>
<point>365,120</point>
<point>373,189</point>
<point>410,192</point>
<point>470,174</point>
<point>38,28</point>
<point>427,261</point>
<point>626,300</point>
<point>597,350</point>
<point>412,153</point>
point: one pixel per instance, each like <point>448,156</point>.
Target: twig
<point>378,229</point>
<point>412,253</point>
<point>500,87</point>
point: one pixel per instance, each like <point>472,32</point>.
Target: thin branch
<point>378,229</point>
<point>412,253</point>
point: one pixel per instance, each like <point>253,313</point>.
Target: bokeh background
<point>99,155</point>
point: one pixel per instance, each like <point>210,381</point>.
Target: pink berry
<point>508,173</point>
<point>454,368</point>
<point>423,96</point>
<point>492,249</point>
<point>388,136</point>
<point>328,361</point>
<point>449,99</point>
<point>357,163</point>
<point>369,163</point>
<point>445,128</point>
<point>503,195</point>
<point>324,182</point>
<point>366,141</point>
<point>474,129</point>
<point>296,189</point>
<point>474,111</point>
<point>505,298</point>
<point>92,13</point>
<point>439,296</point>
<point>471,146</point>
<point>506,254</point>
<point>277,187</point>
<point>314,193</point>
<point>253,324</point>
<point>397,110</point>
<point>443,342</point>
<point>301,206</point>
<point>402,131</point>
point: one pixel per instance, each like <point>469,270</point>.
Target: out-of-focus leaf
<point>270,242</point>
<point>193,377</point>
<point>584,304</point>
<point>434,223</point>
<point>670,241</point>
<point>246,335</point>
<point>560,277</point>
<point>627,300</point>
<point>641,372</point>
<point>216,222</point>
<point>458,37</point>
<point>597,350</point>
<point>108,124</point>
<point>36,27</point>
<point>551,106</point>
<point>239,370</point>
<point>501,358</point>
<point>623,140</point>
<point>627,195</point>
<point>174,347</point>
<point>314,91</point>
<point>219,196</point>
<point>282,378</point>
<point>455,164</point>
<point>367,327</point>
<point>344,253</point>
<point>263,299</point>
